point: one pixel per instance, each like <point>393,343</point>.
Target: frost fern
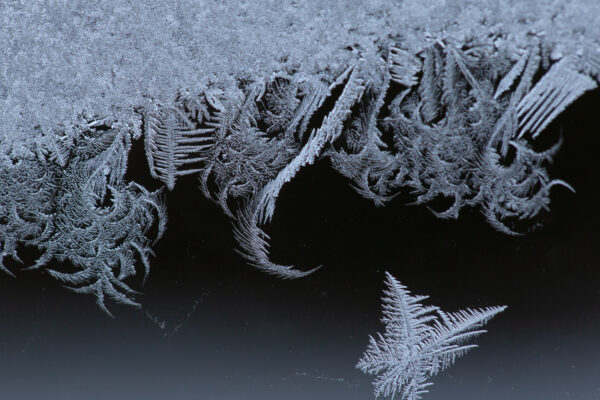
<point>418,342</point>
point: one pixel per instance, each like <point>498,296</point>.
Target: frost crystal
<point>418,342</point>
<point>451,107</point>
<point>82,212</point>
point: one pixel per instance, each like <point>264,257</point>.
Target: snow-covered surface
<point>59,59</point>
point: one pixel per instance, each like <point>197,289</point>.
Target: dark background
<point>212,327</point>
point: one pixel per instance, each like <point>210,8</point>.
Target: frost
<point>457,131</point>
<point>82,212</point>
<point>172,141</point>
<point>441,101</point>
<point>559,87</point>
<point>450,107</point>
<point>418,342</point>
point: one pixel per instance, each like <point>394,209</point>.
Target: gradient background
<point>232,332</point>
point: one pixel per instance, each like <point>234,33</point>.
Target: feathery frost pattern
<point>550,96</point>
<point>77,208</point>
<point>173,141</point>
<point>418,342</point>
<point>449,121</point>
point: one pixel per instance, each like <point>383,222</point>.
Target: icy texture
<point>72,203</point>
<point>418,342</point>
<point>442,100</point>
<point>60,58</point>
<point>460,124</point>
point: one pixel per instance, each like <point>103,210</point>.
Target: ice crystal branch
<point>76,207</point>
<point>418,342</point>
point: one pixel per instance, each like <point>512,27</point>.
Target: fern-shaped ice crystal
<point>418,342</point>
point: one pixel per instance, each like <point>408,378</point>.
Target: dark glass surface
<point>233,332</point>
